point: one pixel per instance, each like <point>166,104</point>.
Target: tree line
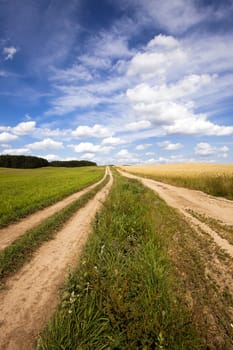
<point>30,162</point>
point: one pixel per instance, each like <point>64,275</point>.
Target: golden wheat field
<point>183,169</point>
<point>215,179</point>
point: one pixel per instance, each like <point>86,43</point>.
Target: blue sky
<point>117,81</point>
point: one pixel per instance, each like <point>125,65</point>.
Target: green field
<point>23,191</point>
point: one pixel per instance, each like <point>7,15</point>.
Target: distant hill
<point>30,162</point>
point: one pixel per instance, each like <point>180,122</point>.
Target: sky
<point>117,81</point>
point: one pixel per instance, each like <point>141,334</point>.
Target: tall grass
<point>214,179</point>
<point>124,293</point>
<point>23,191</point>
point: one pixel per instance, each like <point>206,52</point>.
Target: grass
<point>22,249</point>
<point>214,179</point>
<point>23,191</point>
<point>125,293</point>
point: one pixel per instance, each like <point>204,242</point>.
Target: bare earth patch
<point>31,295</point>
<point>10,233</point>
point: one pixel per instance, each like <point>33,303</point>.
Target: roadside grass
<point>22,249</point>
<point>24,191</point>
<point>125,292</point>
<point>214,179</point>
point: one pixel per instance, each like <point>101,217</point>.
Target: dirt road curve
<point>32,294</point>
<point>187,200</point>
<point>12,232</point>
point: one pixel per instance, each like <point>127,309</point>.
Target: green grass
<point>21,250</point>
<point>23,191</point>
<point>125,293</point>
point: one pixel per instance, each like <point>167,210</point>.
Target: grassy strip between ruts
<point>21,250</point>
<point>125,293</point>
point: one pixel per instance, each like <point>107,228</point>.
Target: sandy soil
<point>31,295</point>
<point>186,200</point>
<point>12,232</point>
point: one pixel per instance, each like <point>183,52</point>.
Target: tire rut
<point>31,295</point>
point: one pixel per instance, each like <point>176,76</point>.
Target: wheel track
<point>31,295</point>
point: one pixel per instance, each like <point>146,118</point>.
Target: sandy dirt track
<point>12,232</point>
<point>185,200</point>
<point>31,295</point>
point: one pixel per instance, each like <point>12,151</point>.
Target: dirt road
<point>12,232</point>
<point>31,295</point>
<point>191,202</point>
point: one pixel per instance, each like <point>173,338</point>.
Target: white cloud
<point>164,41</point>
<point>142,124</point>
<point>24,128</point>
<point>115,46</point>
<point>143,146</point>
<point>88,156</point>
<point>51,157</point>
<point>205,149</point>
<point>7,137</point>
<point>46,144</point>
<point>113,141</point>
<point>174,16</point>
<point>73,74</point>
<point>169,146</point>
<point>89,147</point>
<point>156,65</point>
<point>95,62</point>
<point>15,151</point>
<point>9,52</point>
<point>95,131</point>
<point>125,157</point>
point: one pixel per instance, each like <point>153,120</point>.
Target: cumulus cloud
<point>142,124</point>
<point>88,131</point>
<point>89,147</point>
<point>24,128</point>
<point>171,106</point>
<point>205,149</point>
<point>113,141</point>
<point>51,157</point>
<point>143,146</point>
<point>9,52</point>
<point>15,151</point>
<point>7,137</point>
<point>46,144</point>
<point>169,146</point>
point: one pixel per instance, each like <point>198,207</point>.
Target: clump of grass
<point>22,249</point>
<point>123,294</point>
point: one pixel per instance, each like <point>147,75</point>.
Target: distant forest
<point>30,162</point>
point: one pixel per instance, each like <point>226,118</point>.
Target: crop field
<point>214,179</point>
<point>23,191</point>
